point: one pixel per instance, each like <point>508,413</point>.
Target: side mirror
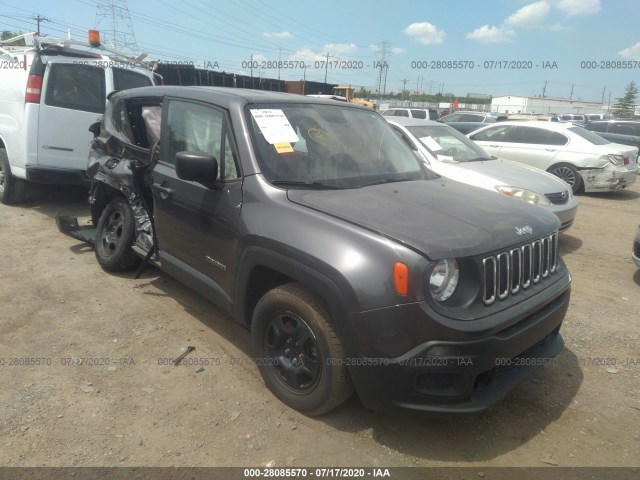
<point>95,128</point>
<point>197,167</point>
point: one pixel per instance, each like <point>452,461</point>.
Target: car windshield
<point>447,144</point>
<point>328,146</point>
<point>589,136</point>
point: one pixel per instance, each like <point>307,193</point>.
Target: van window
<point>77,87</point>
<point>124,79</point>
<point>419,113</point>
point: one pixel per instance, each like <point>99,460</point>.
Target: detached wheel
<point>12,189</point>
<point>298,352</point>
<point>115,235</point>
<point>569,174</point>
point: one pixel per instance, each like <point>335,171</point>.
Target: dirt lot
<point>57,305</point>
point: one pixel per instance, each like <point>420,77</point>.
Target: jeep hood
<point>439,218</point>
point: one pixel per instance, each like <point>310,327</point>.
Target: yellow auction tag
<point>283,147</point>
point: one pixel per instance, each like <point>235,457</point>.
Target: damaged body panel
<point>608,178</point>
<point>122,157</point>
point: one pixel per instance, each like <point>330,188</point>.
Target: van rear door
<point>74,95</point>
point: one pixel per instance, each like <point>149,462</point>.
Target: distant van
<point>423,113</point>
<point>51,93</point>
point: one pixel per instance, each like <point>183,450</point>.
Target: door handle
<point>164,192</point>
<point>550,149</point>
<point>494,146</point>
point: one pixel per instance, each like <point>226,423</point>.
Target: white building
<point>544,105</point>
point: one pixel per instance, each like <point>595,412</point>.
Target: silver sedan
<point>450,154</point>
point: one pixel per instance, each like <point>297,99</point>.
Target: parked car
<point>467,122</point>
<point>312,223</point>
<point>591,117</point>
<point>425,113</point>
<point>635,254</point>
<point>572,117</point>
<point>452,155</point>
<point>625,132</point>
<point>466,127</point>
<point>50,93</point>
<point>471,116</point>
<point>581,158</point>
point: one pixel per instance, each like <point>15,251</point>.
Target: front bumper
<point>609,178</point>
<point>461,371</point>
<point>566,213</point>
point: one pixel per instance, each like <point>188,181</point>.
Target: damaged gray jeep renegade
<point>312,223</point>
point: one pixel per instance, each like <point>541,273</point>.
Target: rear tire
<point>114,236</point>
<point>12,189</point>
<point>298,352</point>
<point>568,173</point>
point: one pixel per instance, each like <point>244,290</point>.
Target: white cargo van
<point>51,91</point>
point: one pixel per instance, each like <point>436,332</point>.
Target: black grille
<point>559,198</point>
<point>508,272</point>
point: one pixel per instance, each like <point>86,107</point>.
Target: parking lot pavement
<point>86,377</point>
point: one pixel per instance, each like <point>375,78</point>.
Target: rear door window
<point>625,128</point>
<point>419,114</point>
<point>124,79</point>
<point>77,87</point>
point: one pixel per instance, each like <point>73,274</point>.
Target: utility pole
<point>603,90</point>
<point>279,57</point>
<point>252,70</point>
<point>544,89</point>
<point>326,67</point>
<point>404,84</point>
<point>114,16</point>
<point>571,94</point>
<point>39,19</point>
<point>384,46</point>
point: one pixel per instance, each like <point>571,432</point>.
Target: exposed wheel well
<point>102,196</point>
<point>261,280</point>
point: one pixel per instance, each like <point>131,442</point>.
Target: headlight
<point>522,194</point>
<point>444,279</point>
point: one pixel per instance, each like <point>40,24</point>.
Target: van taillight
<point>34,89</point>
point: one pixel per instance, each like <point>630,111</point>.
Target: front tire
<point>114,236</point>
<point>12,189</point>
<point>298,352</point>
<point>568,173</point>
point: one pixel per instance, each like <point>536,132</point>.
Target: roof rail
<point>34,41</point>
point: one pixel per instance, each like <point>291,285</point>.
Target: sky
<point>579,49</point>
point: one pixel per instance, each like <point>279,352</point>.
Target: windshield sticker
<point>446,158</point>
<point>274,125</point>
<point>283,147</point>
<point>430,143</point>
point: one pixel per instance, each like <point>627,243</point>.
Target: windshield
<point>446,144</point>
<point>588,135</point>
<point>331,146</point>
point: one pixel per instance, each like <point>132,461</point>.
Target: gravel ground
<point>128,407</point>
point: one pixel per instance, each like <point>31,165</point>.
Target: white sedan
<point>583,159</point>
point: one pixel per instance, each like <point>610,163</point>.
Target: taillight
<point>34,89</point>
